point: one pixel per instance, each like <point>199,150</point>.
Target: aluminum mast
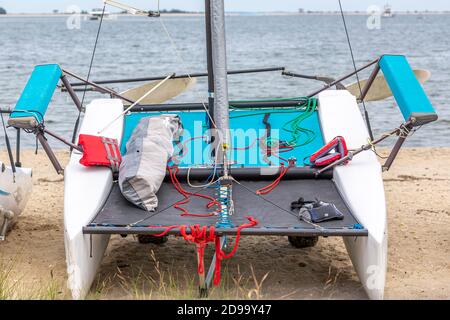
<point>219,59</point>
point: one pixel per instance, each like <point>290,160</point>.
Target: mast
<point>219,59</point>
<point>221,112</point>
<point>209,61</point>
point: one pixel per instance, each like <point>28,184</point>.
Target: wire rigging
<point>366,114</point>
<point>77,123</point>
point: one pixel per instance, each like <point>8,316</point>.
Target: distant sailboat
<point>96,14</point>
<point>387,13</point>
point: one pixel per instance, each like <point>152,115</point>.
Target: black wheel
<point>203,292</point>
<point>146,239</point>
<point>303,242</point>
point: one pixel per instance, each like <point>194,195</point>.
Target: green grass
<point>160,284</point>
<point>7,285</point>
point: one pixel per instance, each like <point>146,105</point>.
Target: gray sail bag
<point>143,167</point>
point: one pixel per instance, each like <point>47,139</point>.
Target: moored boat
<point>97,14</point>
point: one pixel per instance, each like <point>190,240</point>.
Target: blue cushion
<point>408,92</point>
<point>36,96</point>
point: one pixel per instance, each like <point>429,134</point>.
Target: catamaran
<point>214,171</point>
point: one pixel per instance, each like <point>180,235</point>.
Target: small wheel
<point>303,242</point>
<point>203,292</point>
<point>146,239</point>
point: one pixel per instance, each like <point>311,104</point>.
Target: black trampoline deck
<point>272,211</point>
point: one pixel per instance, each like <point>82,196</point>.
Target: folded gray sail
<point>219,55</point>
<point>143,167</point>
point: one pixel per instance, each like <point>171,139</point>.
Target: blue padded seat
<point>33,103</point>
<point>408,92</point>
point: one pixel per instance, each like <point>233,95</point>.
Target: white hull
<point>85,191</point>
<point>14,193</point>
<point>361,185</point>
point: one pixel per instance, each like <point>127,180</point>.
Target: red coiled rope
<point>269,188</point>
<point>187,195</point>
<point>201,236</point>
<point>221,255</point>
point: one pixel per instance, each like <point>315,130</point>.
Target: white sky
<point>40,6</point>
<point>34,6</point>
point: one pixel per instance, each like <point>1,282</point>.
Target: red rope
<point>201,236</point>
<point>221,255</point>
<point>185,213</point>
<point>269,188</point>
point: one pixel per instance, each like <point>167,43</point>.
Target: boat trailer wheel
<point>303,242</point>
<point>147,239</point>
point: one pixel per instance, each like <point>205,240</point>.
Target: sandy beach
<point>418,200</point>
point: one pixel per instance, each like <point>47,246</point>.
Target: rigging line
<point>366,114</point>
<point>177,52</point>
<point>77,123</point>
<point>156,213</point>
<point>8,147</point>
<point>276,205</point>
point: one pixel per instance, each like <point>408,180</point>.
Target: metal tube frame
<point>369,83</point>
<point>54,135</point>
<point>336,82</point>
<point>181,76</point>
<point>48,150</point>
<point>99,87</point>
<point>71,92</point>
<point>306,232</point>
<point>200,106</point>
<point>18,163</point>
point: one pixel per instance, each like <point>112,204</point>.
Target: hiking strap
<point>112,153</point>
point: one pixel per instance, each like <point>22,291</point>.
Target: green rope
<point>304,99</point>
<point>293,126</point>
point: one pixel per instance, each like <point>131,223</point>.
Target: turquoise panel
<point>246,128</point>
<point>408,92</point>
<point>38,92</point>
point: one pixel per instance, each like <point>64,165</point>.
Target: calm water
<point>137,47</point>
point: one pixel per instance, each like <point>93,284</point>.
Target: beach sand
<point>418,200</point>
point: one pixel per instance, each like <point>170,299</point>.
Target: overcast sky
<point>34,6</point>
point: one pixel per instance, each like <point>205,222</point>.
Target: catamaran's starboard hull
<point>15,191</point>
<point>86,189</point>
<point>361,186</point>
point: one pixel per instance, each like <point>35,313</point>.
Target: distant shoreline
<point>198,14</point>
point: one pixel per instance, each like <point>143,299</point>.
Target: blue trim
<point>195,123</point>
<point>38,92</point>
<point>408,92</point>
